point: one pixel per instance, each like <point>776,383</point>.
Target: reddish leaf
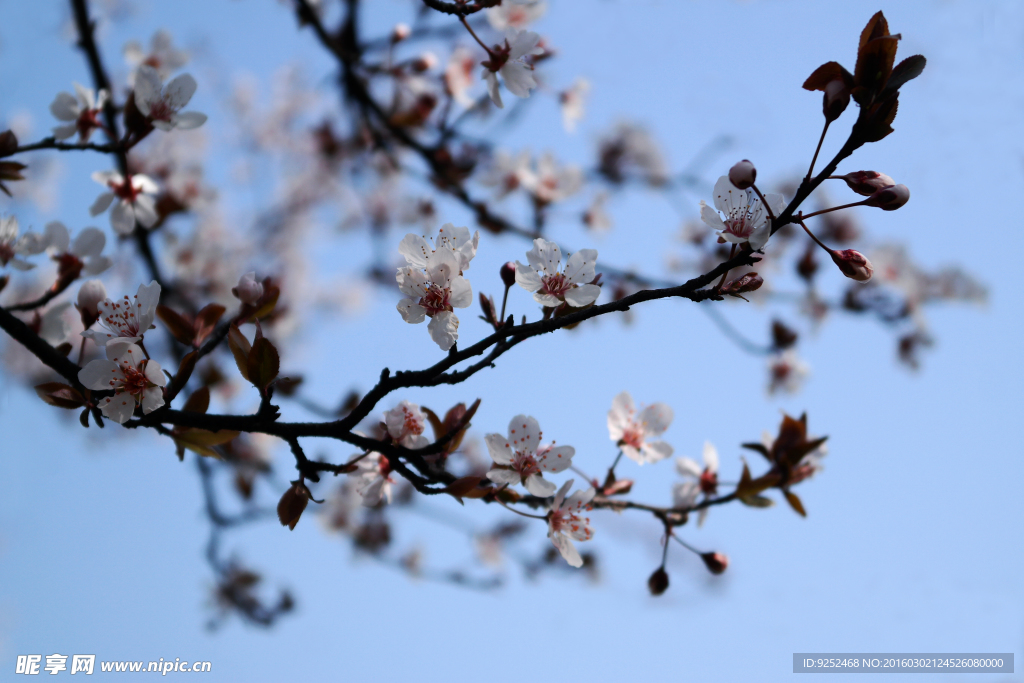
<point>468,487</point>
<point>825,74</point>
<point>206,320</point>
<point>179,326</point>
<point>794,502</point>
<point>263,363</point>
<point>185,370</point>
<point>240,349</point>
<point>60,395</point>
<point>201,441</point>
<point>198,402</point>
<point>292,504</point>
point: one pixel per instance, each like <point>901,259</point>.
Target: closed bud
<point>508,274</point>
<point>716,563</point>
<point>837,98</point>
<point>425,62</point>
<point>292,504</point>
<point>400,32</point>
<point>867,183</point>
<point>745,283</point>
<point>889,198</point>
<point>743,174</point>
<point>853,264</point>
<point>90,295</point>
<point>249,290</point>
<point>658,583</point>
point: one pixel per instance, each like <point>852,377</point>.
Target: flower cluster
<point>134,379</point>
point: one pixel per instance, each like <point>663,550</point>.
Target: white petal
<point>655,451</point>
<point>461,292</point>
<point>688,467</point>
<point>760,236</point>
<point>118,408</point>
<point>64,132</point>
<point>521,43</point>
<point>105,178</point>
<point>145,211</point>
<point>415,249</point>
<point>179,91</point>
<point>492,88</point>
<point>147,88</point>
<point>65,107</point>
<point>518,78</point>
<point>710,456</point>
<point>152,398</point>
<point>539,486</point>
<point>655,418</point>
<point>524,434</point>
<point>527,278</point>
<point>510,477</point>
<point>581,296</point>
<point>90,242</point>
<point>411,311</point>
<point>143,183</point>
<point>567,550</point>
<point>711,217</point>
<point>580,268</point>
<point>101,203</point>
<point>580,498</point>
<point>412,281</point>
<point>560,496</point>
<point>155,374</point>
<point>147,297</point>
<point>632,453</point>
<point>187,120</point>
<point>620,415</point>
<point>557,459</point>
<point>685,495</point>
<point>444,329</point>
<point>122,218</point>
<point>96,265</point>
<point>498,447</point>
<point>545,256</point>
<point>57,237</point>
<point>98,374</point>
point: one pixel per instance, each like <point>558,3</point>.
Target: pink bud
<point>742,174</point>
<point>425,62</point>
<point>853,264</point>
<point>248,291</point>
<point>508,274</point>
<point>716,563</point>
<point>400,32</point>
<point>837,98</point>
<point>90,295</point>
<point>889,198</point>
<point>868,182</point>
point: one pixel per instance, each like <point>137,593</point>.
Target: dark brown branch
<point>52,143</point>
<point>22,334</point>
<point>460,9</point>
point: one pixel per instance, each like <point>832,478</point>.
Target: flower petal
<point>524,434</point>
<point>89,242</point>
<point>122,218</point>
<point>179,91</point>
<point>527,278</point>
<point>152,398</point>
<point>581,296</point>
<point>557,459</point>
<point>539,486</point>
<point>580,267</point>
<point>444,329</point>
<point>187,120</point>
<point>655,418</point>
<point>98,374</point>
<point>411,311</point>
<point>498,447</point>
<point>567,550</point>
<point>118,408</point>
<point>101,203</point>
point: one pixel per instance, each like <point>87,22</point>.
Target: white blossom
<point>505,172</point>
<point>405,423</point>
<point>53,328</point>
<point>81,110</point>
<point>632,431</point>
<point>550,286</point>
<point>126,320</point>
<point>521,458</point>
<point>432,282</point>
<point>135,200</point>
<point>249,290</point>
<point>161,56</point>
<point>373,479</point>
<point>516,14</point>
<point>87,247</point>
<point>162,105</point>
<point>130,375</point>
<point>12,247</point>
<point>573,103</point>
<point>705,478</point>
<point>787,372</point>
<point>458,75</point>
<point>746,219</point>
<point>510,62</point>
<point>566,522</point>
<point>548,182</point>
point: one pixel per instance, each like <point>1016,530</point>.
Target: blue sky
<point>912,543</point>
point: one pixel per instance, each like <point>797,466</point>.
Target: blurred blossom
<point>516,14</point>
<point>161,56</point>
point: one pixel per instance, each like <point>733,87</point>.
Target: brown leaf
<point>619,487</point>
<point>240,349</point>
<point>198,402</point>
<point>875,58</point>
<point>825,74</point>
<point>179,326</point>
<point>263,364</point>
<point>794,502</point>
<point>435,422</point>
<point>185,370</point>
<point>469,487</point>
<point>266,304</point>
<point>292,504</point>
<point>907,70</point>
<point>202,441</point>
<point>8,142</point>
<point>206,320</point>
<point>60,395</point>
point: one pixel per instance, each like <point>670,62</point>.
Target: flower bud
<point>508,274</point>
<point>853,264</point>
<point>248,291</point>
<point>658,583</point>
<point>292,504</point>
<point>889,198</point>
<point>743,174</point>
<point>400,32</point>
<point>425,62</point>
<point>90,295</point>
<point>716,563</point>
<point>837,98</point>
<point>867,182</point>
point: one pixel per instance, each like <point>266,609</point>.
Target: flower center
<point>436,299</point>
<point>160,111</point>
<point>525,464</point>
<point>87,120</point>
<point>135,381</point>
<point>709,482</point>
<point>126,190</point>
<point>556,284</point>
<point>633,436</point>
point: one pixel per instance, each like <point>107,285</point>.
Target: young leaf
<point>263,364</point>
<point>240,349</point>
<point>60,395</point>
